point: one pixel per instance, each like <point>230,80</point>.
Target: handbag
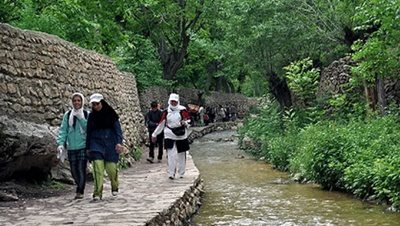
<point>179,131</point>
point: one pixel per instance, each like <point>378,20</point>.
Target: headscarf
<point>175,97</point>
<point>105,118</point>
<point>75,112</point>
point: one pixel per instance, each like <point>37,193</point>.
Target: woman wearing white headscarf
<point>174,123</point>
<point>72,136</point>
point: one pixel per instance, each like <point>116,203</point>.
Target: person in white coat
<point>174,123</point>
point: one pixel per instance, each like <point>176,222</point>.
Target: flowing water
<point>242,191</point>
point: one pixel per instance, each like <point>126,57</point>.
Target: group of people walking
<point>96,136</point>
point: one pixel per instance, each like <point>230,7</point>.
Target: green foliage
<point>140,59</point>
<point>90,24</point>
<point>279,150</point>
<point>303,80</point>
<point>253,85</point>
<point>123,162</point>
<point>379,55</point>
<point>52,184</point>
<point>357,156</point>
<point>232,45</point>
<point>136,153</point>
<point>9,10</point>
<point>262,126</point>
<point>360,156</point>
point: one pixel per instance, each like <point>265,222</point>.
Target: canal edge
<point>182,210</point>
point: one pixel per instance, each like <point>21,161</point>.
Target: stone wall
<point>39,72</point>
<point>335,76</point>
<point>194,96</point>
<point>338,74</point>
<point>180,212</point>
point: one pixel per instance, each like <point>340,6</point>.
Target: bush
<point>280,150</point>
<point>261,127</point>
<point>135,153</point>
<point>356,155</point>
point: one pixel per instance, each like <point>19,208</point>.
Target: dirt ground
<point>26,191</point>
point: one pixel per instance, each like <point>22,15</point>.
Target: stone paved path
<point>145,190</point>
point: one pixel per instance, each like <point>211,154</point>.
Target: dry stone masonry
<point>38,74</point>
<point>335,76</point>
<point>194,96</point>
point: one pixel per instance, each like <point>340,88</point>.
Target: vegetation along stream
<point>242,191</point>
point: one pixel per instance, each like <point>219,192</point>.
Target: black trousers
<point>160,144</point>
<point>78,171</point>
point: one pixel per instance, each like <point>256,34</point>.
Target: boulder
<point>27,150</point>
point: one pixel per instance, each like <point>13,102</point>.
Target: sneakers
<point>114,193</point>
<point>78,196</point>
<point>171,177</point>
<point>96,198</point>
<point>159,161</point>
<point>150,160</point>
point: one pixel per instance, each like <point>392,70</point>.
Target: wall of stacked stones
<point>338,74</point>
<point>333,77</point>
<point>39,72</point>
<point>194,96</point>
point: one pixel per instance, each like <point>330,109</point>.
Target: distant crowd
<point>203,115</point>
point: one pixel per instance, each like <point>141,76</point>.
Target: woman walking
<point>72,136</point>
<point>174,123</point>
<point>104,144</point>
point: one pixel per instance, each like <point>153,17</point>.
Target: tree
<point>170,25</point>
<point>379,55</point>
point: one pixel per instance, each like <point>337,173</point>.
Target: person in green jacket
<point>72,136</point>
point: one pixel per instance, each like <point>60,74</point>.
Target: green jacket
<point>75,136</point>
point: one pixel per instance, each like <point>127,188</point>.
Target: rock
<point>27,149</point>
<point>7,197</point>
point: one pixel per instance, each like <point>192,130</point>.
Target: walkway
<point>145,191</point>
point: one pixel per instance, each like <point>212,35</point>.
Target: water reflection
<point>242,191</point>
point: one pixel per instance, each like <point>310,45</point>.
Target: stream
<point>240,190</point>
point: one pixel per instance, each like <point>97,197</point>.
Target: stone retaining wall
<point>183,209</point>
<point>194,96</point>
<point>38,74</point>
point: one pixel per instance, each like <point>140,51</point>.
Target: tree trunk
<point>381,94</point>
<point>172,53</point>
<point>280,90</point>
<point>172,59</point>
<point>370,96</point>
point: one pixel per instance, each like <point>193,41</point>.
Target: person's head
<point>173,99</point>
<point>77,101</point>
<point>154,105</point>
<point>96,100</point>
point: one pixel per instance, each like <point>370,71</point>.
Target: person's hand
<point>184,123</point>
<point>60,148</point>
<point>119,148</point>
<point>153,139</point>
<point>61,153</point>
<point>80,115</point>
